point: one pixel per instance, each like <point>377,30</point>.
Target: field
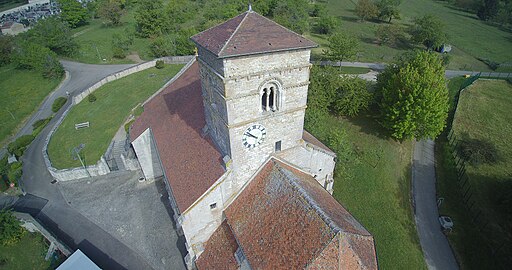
<point>471,37</point>
<point>377,190</point>
<point>95,41</point>
<point>106,115</point>
<point>28,253</point>
<point>21,94</point>
<point>484,114</point>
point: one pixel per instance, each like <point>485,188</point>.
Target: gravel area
<point>137,214</point>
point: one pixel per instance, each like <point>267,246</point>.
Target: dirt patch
<point>135,58</point>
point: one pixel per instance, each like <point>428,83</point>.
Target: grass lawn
<point>106,115</point>
<point>354,70</point>
<point>471,37</point>
<point>95,40</point>
<point>378,191</point>
<point>28,253</point>
<point>483,113</point>
<point>8,4</point>
<point>21,93</point>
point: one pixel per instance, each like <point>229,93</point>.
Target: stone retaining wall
<point>102,168</point>
<point>129,71</point>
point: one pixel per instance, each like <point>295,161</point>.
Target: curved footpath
<point>44,199</point>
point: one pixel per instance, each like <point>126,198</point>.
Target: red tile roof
<point>307,137</point>
<point>249,33</point>
<point>176,117</point>
<point>219,251</point>
<point>284,219</point>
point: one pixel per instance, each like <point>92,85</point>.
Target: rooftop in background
<point>176,117</point>
<point>284,219</point>
<point>250,33</point>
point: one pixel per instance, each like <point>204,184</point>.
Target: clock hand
<point>249,134</point>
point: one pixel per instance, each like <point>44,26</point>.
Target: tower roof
<point>250,33</point>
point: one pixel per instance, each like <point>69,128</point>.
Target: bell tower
<point>255,77</point>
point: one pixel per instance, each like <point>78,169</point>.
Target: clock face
<point>254,136</point>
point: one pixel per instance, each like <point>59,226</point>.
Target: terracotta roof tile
<point>219,250</point>
<point>250,33</point>
<point>284,219</point>
<point>176,117</point>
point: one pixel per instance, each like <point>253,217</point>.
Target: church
<point>250,188</point>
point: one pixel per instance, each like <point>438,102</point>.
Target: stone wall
<point>129,71</point>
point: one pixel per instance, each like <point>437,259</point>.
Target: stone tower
<point>255,77</point>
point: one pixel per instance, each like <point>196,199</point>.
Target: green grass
<point>354,70</point>
<point>95,40</point>
<point>106,115</point>
<point>28,253</point>
<point>471,37</point>
<point>378,191</point>
<point>8,4</point>
<point>21,94</point>
<point>483,113</point>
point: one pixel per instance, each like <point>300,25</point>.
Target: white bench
<point>82,125</point>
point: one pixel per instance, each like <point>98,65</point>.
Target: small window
<point>264,99</point>
<point>270,97</point>
<point>213,206</point>
<point>278,146</point>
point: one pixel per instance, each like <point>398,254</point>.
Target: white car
<point>446,223</point>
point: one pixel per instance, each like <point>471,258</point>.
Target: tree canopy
<point>366,9</point>
<point>111,11</point>
<point>150,18</point>
<point>73,12</point>
<point>341,47</point>
<point>388,9</point>
<point>429,31</point>
<point>413,96</point>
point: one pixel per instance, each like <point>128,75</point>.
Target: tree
<point>352,97</point>
<point>326,25</point>
<point>341,47</point>
<point>54,34</point>
<point>293,14</point>
<point>150,18</point>
<point>390,35</point>
<point>111,11</point>
<point>429,31</point>
<point>366,9</point>
<point>388,9</point>
<point>33,56</point>
<point>6,47</point>
<point>488,9</point>
<point>10,229</point>
<point>413,96</point>
<point>73,12</point>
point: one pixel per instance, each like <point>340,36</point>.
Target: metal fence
<point>479,217</point>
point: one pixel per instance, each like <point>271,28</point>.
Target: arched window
<point>270,98</point>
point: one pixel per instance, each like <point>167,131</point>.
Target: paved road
<point>436,250</point>
<point>380,66</point>
<point>78,77</point>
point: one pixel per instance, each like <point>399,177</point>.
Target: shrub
<point>121,44</point>
<point>15,172</point>
<point>58,103</point>
<point>91,98</point>
<point>352,97</point>
<point>326,25</point>
<point>19,145</point>
<point>10,229</point>
<point>159,64</point>
<point>38,126</point>
<point>477,152</point>
<point>128,125</point>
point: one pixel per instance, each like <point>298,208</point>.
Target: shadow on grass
<point>367,123</point>
<point>350,19</point>
<point>405,200</point>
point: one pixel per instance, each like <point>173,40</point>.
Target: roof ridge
<point>234,32</point>
<point>292,179</point>
<point>288,30</point>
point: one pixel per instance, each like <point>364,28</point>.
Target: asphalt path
<point>75,230</point>
<point>436,249</point>
<point>380,66</point>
